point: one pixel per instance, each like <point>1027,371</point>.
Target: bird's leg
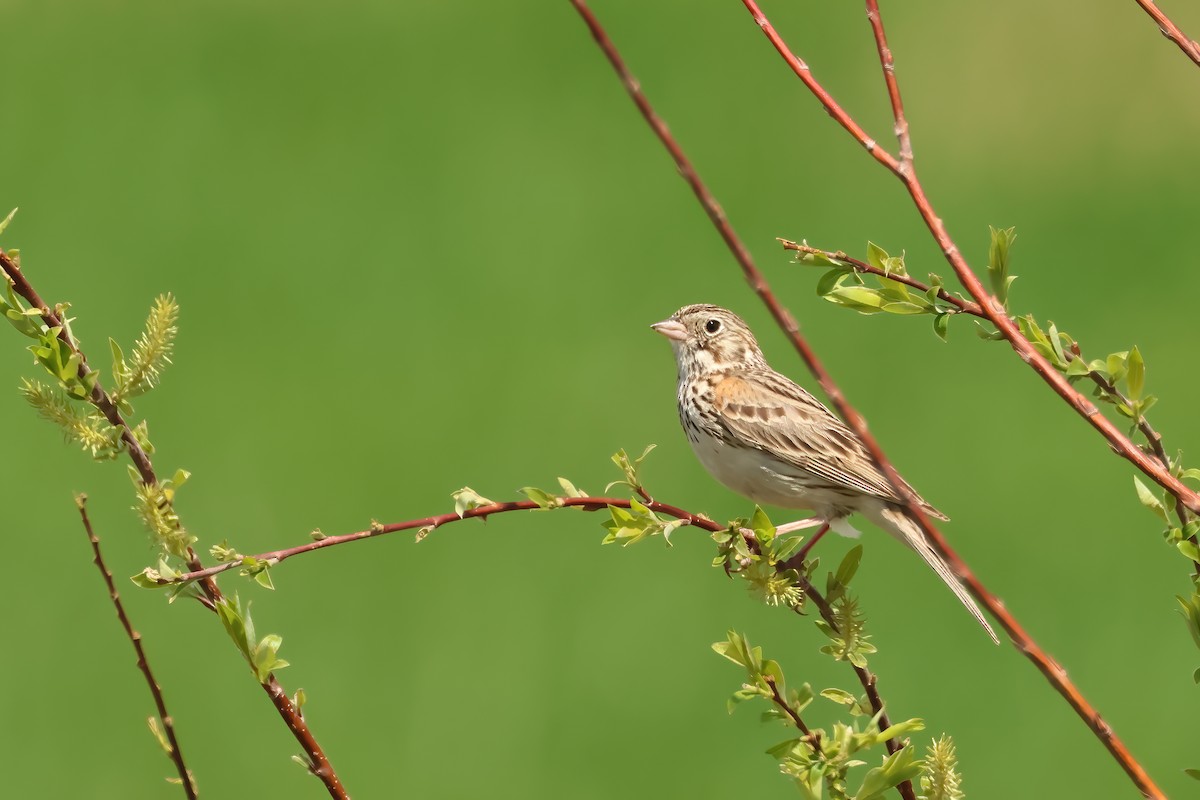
<point>798,559</point>
<point>799,525</point>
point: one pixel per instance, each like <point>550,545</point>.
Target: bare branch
<point>135,638</point>
<point>1169,29</point>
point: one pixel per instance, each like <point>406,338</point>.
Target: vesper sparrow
<point>767,438</point>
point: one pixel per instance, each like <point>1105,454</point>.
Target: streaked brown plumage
<point>767,438</point>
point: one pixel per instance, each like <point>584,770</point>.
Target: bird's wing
<point>773,414</point>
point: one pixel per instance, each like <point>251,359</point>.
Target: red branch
<point>1169,29</point>
<point>135,638</point>
<point>320,765</point>
<point>995,313</point>
<point>438,520</point>
<point>427,525</point>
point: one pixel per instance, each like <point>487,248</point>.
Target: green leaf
<point>839,696</point>
<point>1076,368</point>
<point>544,499</point>
<point>831,280</point>
<point>467,499</point>
<point>817,259</point>
<point>266,657</point>
<point>630,467</point>
<point>859,298</point>
<point>569,489</point>
<point>1189,549</point>
<point>764,531</point>
<point>1136,378</point>
<point>150,578</point>
<point>1196,676</point>
<point>1190,609</point>
<point>1149,500</point>
<point>904,308</point>
<point>263,578</point>
<point>7,220</point>
<point>1002,239</point>
<point>238,624</point>
<point>849,566</point>
<point>876,255</point>
<point>988,335</point>
<point>1116,365</point>
<point>735,648</point>
<point>941,325</point>
<point>898,767</point>
<point>902,729</point>
<point>1195,773</point>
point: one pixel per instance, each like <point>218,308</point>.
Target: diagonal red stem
<point>996,313</point>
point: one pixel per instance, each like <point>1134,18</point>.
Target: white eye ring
<point>713,325</point>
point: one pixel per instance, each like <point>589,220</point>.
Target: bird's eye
<point>713,325</point>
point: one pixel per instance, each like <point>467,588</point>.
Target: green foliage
<point>939,778</point>
<point>75,406</point>
<point>1189,607</point>
<point>89,429</point>
<point>1001,243</point>
<point>773,586</point>
<point>8,219</point>
<point>763,567</point>
<point>848,642</point>
<point>27,321</point>
<point>629,526</point>
<point>818,761</point>
<point>257,568</point>
<point>467,499</point>
<point>630,468</point>
<point>156,507</point>
<point>845,286</point>
<point>151,352</point>
<point>262,654</point>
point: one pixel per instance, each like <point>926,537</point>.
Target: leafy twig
<point>1102,381</point>
<point>172,743</point>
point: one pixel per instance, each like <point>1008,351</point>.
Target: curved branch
<point>426,525</point>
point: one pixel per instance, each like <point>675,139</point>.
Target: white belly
<point>761,478</point>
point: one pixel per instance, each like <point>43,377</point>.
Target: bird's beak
<point>671,329</point>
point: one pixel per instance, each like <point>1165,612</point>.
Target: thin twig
<point>143,663</point>
<point>1169,29</point>
<point>778,700</point>
<point>429,524</point>
<point>961,306</point>
<point>996,314</point>
<point>320,765</point>
<point>893,87</point>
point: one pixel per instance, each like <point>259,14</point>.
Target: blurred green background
<point>418,245</point>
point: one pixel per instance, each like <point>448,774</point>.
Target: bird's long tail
<point>897,523</point>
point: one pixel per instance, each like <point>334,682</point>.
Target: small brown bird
<point>766,438</point>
